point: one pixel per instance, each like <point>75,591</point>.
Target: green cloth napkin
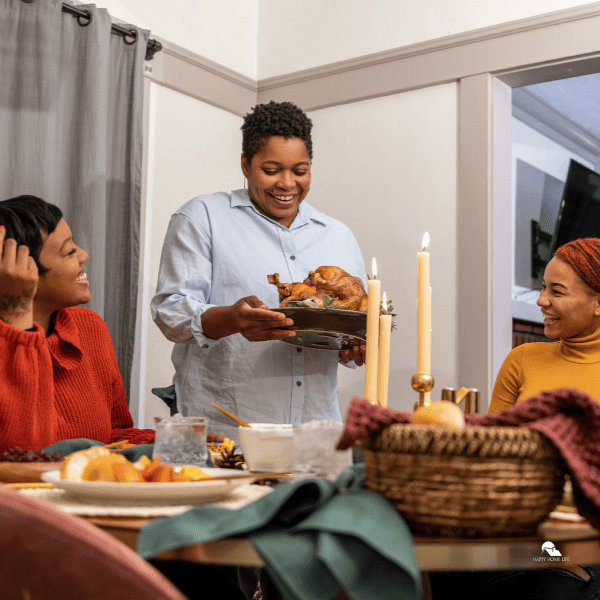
<point>168,396</point>
<point>67,446</point>
<point>135,452</point>
<point>314,537</point>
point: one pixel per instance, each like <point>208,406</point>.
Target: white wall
<point>387,168</point>
<point>225,31</point>
<point>265,38</point>
<point>194,149</point>
<point>299,35</point>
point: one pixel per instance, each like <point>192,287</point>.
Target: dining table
<point>318,500</point>
<point>577,541</point>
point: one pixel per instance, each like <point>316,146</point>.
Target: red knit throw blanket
<point>569,418</point>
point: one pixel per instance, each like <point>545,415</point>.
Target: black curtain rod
<point>84,17</point>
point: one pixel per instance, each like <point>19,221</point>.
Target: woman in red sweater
<point>58,372</point>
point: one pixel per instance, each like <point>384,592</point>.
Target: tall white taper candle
<point>424,313</point>
<point>374,292</point>
<point>383,365</point>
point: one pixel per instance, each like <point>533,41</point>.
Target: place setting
<point>98,481</point>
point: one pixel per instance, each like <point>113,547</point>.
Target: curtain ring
<point>88,17</point>
<point>28,1</point>
<point>132,33</point>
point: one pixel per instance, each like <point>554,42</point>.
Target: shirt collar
<point>305,214</point>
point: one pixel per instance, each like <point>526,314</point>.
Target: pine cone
<point>228,460</point>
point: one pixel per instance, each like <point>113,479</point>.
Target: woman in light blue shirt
<point>213,296</point>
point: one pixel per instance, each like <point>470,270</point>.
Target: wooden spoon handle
<point>228,414</point>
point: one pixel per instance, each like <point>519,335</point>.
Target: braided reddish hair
<point>583,256</point>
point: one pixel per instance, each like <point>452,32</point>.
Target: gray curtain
<point>71,132</point>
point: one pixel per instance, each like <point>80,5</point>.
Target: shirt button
<point>298,349</point>
<point>298,383</point>
<point>292,257</point>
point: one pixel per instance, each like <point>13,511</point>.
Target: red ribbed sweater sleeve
<point>63,386</point>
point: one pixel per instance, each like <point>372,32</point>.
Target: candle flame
<point>425,241</point>
<point>374,269</point>
<point>384,302</point>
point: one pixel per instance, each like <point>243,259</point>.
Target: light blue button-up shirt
<point>218,249</point>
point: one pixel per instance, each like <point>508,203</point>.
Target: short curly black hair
<point>274,118</point>
<point>25,219</point>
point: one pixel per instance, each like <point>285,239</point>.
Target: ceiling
<point>578,98</point>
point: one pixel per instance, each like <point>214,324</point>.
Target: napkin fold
<point>315,538</point>
<point>67,446</point>
<point>168,396</point>
<point>134,453</point>
<point>567,417</point>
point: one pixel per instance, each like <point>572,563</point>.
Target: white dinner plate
<point>192,492</point>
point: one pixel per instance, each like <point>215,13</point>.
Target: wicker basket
<point>479,481</point>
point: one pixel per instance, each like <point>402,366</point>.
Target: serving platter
<point>192,492</point>
<point>325,328</point>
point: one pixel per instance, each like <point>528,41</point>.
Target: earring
<point>245,190</point>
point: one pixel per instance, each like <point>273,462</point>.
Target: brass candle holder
<point>422,383</point>
<point>472,402</point>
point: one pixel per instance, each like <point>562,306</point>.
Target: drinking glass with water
<point>181,440</point>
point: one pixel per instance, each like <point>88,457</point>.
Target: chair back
<point>48,555</point>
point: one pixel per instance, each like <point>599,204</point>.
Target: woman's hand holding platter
<point>357,354</point>
<point>18,283</point>
<point>257,323</point>
<point>250,317</point>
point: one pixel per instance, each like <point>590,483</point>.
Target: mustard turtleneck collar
<point>584,349</point>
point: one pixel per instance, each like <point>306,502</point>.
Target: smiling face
<point>65,283</point>
<point>278,178</point>
<point>570,307</point>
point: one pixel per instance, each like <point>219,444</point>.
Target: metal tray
<point>326,328</point>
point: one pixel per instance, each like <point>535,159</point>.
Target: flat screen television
<point>579,211</point>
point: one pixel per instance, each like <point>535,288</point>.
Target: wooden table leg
<point>425,587</point>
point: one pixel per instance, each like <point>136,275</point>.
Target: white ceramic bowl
<point>267,447</point>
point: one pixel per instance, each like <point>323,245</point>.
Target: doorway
<point>486,217</point>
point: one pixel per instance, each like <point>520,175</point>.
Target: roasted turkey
<point>333,281</point>
<point>347,289</point>
<point>289,292</point>
<point>329,273</point>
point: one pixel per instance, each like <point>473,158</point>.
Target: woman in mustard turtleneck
<point>570,303</point>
